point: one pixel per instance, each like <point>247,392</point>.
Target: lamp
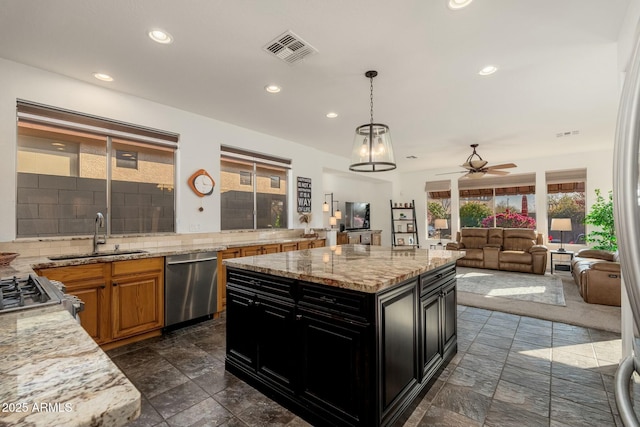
<point>440,224</point>
<point>372,150</point>
<point>325,208</point>
<point>561,225</point>
<point>337,213</point>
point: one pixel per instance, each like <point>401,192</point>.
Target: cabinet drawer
<point>134,266</point>
<point>334,300</point>
<point>433,279</point>
<point>281,287</point>
<point>71,274</point>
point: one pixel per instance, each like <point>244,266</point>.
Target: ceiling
<point>557,62</point>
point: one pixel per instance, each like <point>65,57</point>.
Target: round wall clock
<point>201,183</point>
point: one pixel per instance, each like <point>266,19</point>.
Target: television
<point>356,215</point>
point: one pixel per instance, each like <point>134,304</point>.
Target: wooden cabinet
<point>438,309</point>
<point>137,296</point>
<point>89,283</point>
<point>251,251</point>
<point>372,238</point>
<point>222,275</point>
<point>338,356</point>
<point>123,299</point>
<point>260,249</point>
<point>376,239</point>
<point>289,246</point>
<point>260,340</point>
<point>310,244</point>
<point>342,238</point>
<point>335,366</point>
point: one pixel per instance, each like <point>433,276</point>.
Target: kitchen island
<point>345,335</point>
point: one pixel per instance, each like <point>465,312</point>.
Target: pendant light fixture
<point>372,150</point>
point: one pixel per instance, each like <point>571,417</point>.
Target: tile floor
<point>509,371</point>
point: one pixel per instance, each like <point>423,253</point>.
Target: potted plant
<point>305,218</point>
<point>601,215</point>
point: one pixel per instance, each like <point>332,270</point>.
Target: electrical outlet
<point>194,227</point>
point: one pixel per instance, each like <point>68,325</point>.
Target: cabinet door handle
<point>298,316</point>
<point>328,299</point>
<point>103,286</point>
<point>115,284</point>
<point>257,303</point>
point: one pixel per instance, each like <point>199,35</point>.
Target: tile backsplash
<point>79,245</point>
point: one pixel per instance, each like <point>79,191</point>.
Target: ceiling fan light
<point>477,164</point>
<point>475,175</point>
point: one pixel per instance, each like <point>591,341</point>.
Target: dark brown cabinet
<point>334,357</point>
<point>340,357</point>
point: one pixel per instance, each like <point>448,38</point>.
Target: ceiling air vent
<point>290,48</point>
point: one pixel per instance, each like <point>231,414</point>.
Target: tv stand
<point>360,237</point>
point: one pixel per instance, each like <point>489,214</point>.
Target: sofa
<point>597,275</point>
<point>509,249</point>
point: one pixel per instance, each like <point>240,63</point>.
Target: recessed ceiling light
<point>488,70</point>
<point>102,76</point>
<point>160,36</point>
<point>272,88</point>
<point>458,4</point>
<point>332,115</point>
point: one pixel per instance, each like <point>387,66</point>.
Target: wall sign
<point>304,194</point>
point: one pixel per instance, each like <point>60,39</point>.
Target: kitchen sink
<point>94,255</point>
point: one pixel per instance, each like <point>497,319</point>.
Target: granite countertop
<point>25,265</point>
<point>357,267</point>
<point>53,373</point>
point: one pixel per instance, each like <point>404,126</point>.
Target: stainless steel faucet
<point>97,240</point>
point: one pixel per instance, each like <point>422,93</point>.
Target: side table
<point>562,260</point>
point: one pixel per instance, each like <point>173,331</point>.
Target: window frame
<point>107,132</point>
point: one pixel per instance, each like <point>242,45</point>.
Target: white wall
<point>199,146</point>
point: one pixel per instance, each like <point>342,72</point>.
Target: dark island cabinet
<point>339,357</point>
<point>335,358</point>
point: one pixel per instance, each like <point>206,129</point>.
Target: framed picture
<point>400,241</point>
<point>410,228</point>
<point>399,228</point>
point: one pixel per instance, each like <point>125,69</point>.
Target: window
<point>566,199</point>
<point>126,159</point>
<point>245,177</point>
<point>71,166</point>
<point>498,202</point>
<point>253,190</point>
<point>438,207</point>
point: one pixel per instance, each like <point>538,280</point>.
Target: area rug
<point>545,289</point>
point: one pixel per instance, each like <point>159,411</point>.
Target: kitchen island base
<point>336,356</point>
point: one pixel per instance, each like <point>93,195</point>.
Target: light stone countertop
<point>22,266</point>
<point>53,374</point>
<point>361,268</point>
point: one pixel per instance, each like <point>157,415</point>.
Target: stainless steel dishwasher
<point>191,287</point>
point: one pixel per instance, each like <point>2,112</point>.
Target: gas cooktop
<point>18,293</point>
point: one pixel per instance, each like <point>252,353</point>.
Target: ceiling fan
<point>476,167</point>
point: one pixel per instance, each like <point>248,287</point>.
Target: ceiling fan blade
<point>503,166</point>
<point>473,175</point>
<point>497,172</point>
<point>450,173</point>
